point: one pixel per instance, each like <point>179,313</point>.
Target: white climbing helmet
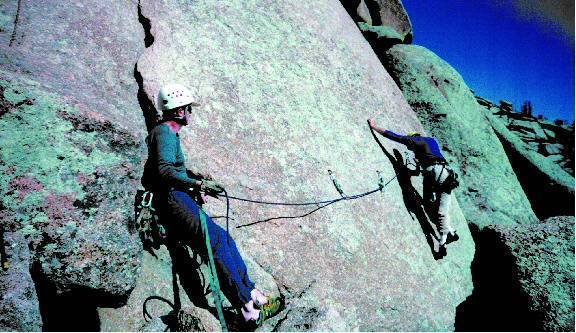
<point>174,95</point>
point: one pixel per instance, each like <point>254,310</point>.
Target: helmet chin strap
<point>176,118</point>
<point>181,120</point>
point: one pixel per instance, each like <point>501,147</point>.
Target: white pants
<point>434,176</point>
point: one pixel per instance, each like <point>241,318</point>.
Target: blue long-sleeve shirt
<point>165,167</point>
<point>426,149</point>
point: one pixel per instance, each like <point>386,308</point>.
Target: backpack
<point>151,232</point>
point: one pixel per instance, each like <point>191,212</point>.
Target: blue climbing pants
<point>181,216</point>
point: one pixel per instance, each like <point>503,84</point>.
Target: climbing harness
<point>450,183</point>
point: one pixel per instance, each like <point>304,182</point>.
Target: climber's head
<point>176,103</point>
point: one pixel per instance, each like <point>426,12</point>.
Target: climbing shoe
<point>441,252</point>
<point>452,237</point>
<point>270,309</point>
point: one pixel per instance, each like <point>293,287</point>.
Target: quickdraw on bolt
<point>381,181</point>
<point>336,183</point>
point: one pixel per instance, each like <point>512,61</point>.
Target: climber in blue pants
<point>180,206</point>
<point>175,190</point>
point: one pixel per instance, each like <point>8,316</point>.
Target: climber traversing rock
<point>439,178</point>
<point>165,175</point>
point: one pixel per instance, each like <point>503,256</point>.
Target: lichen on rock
<point>65,190</point>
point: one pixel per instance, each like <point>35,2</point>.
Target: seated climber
<point>439,179</point>
<point>166,176</point>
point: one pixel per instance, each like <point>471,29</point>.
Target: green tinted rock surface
<point>381,31</point>
<point>390,13</point>
<point>69,165</point>
<point>489,191</point>
<point>543,267</point>
<point>65,189</point>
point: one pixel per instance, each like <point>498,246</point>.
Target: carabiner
<point>147,199</point>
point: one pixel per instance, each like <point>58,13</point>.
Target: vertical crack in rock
<point>148,37</point>
<point>148,109</point>
<point>147,106</point>
<point>16,19</point>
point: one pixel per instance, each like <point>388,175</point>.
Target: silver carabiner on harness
<point>147,199</point>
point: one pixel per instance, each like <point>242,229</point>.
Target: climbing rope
<point>146,314</point>
<point>213,274</point>
<point>321,204</point>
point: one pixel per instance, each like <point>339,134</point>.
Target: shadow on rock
<point>188,273</point>
<point>412,199</point>
<point>186,269</point>
<point>496,303</point>
<point>72,310</point>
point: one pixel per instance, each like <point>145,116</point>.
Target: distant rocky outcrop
<point>549,139</point>
<point>541,154</point>
<point>524,279</point>
<point>382,22</point>
<point>489,191</point>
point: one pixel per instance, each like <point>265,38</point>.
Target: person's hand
<point>204,197</point>
<point>371,123</point>
<point>207,176</point>
<point>211,187</point>
<point>198,175</point>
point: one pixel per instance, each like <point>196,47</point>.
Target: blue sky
<point>512,50</point>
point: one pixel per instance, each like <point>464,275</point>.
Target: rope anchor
<point>381,181</point>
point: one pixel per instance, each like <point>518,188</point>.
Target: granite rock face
<point>285,90</point>
<point>69,198</point>
<point>523,279</point>
<point>489,191</point>
<point>541,154</point>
